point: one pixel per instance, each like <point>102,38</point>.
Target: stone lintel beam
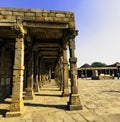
<point>49,53</point>
<point>49,57</point>
<point>49,45</point>
<point>53,25</point>
<point>49,49</point>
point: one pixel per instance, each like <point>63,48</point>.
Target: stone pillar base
<point>29,94</point>
<point>36,87</point>
<point>15,114</point>
<point>16,109</point>
<point>40,84</point>
<point>65,92</point>
<point>74,103</point>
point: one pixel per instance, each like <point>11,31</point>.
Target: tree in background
<point>98,64</point>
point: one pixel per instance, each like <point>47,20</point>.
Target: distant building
<point>87,70</point>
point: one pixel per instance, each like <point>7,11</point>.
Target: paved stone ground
<point>100,100</point>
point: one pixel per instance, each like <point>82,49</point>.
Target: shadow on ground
<point>49,89</point>
<point>51,95</point>
<point>111,91</point>
<point>64,107</point>
<point>3,112</point>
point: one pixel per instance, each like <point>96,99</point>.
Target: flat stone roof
<point>13,14</point>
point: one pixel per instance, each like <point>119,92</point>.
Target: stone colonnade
<point>97,71</point>
<point>39,40</point>
<point>34,63</point>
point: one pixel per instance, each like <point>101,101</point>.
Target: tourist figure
<point>82,76</point>
<point>118,75</point>
<point>113,76</point>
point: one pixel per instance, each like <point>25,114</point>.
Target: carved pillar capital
<point>19,30</point>
<point>73,33</point>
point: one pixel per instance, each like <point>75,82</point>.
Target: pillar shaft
<point>29,90</point>
<point>61,73</point>
<point>73,67</point>
<point>17,104</point>
<point>36,85</point>
<point>65,74</point>
<point>74,101</point>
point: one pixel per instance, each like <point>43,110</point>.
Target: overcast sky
<point>98,22</point>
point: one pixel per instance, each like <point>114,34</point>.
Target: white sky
<point>99,32</point>
<point>98,22</point>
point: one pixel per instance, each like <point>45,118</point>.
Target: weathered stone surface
<point>24,33</point>
<point>51,14</point>
<point>18,13</point>
<point>58,19</point>
<point>48,18</point>
<point>29,95</point>
<point>6,12</point>
<point>29,14</point>
<point>35,14</point>
<point>60,15</point>
<point>38,13</point>
<point>38,18</point>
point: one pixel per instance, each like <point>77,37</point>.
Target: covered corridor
<point>33,49</point>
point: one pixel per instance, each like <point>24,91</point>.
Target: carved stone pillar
<point>56,75</point>
<point>29,90</point>
<point>40,73</point>
<point>86,74</point>
<point>36,85</point>
<point>65,74</point>
<point>49,74</point>
<point>17,105</point>
<point>95,73</point>
<point>61,73</point>
<point>74,100</point>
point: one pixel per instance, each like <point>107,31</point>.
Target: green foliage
<point>98,64</point>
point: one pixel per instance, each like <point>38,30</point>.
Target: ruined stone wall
<point>12,14</point>
<point>5,73</point>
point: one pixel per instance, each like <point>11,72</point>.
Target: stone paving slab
<point>100,100</point>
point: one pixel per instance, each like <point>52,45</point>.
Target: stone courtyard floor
<point>100,100</point>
